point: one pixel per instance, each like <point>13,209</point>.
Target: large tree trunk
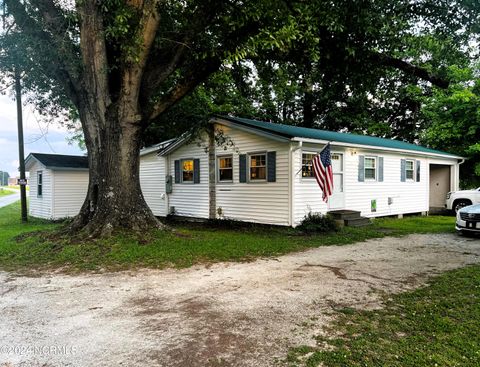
<point>114,200</point>
<point>112,124</point>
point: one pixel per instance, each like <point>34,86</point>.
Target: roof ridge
<point>335,136</point>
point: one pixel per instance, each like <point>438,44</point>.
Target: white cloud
<point>31,124</point>
<point>38,138</point>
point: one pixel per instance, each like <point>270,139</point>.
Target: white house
<point>261,172</point>
<point>58,184</point>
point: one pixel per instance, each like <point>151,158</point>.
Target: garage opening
<point>440,185</point>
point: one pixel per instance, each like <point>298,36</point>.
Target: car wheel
<point>459,204</point>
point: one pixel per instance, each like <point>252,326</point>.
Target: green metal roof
<point>332,136</point>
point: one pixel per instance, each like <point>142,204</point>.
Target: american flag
<point>322,169</point>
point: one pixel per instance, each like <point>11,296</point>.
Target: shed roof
<point>291,131</point>
<point>58,161</point>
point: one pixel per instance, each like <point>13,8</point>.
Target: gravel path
<point>229,314</point>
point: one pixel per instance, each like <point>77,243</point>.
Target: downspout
<point>291,186</point>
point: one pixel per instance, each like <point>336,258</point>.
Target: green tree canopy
<point>122,67</point>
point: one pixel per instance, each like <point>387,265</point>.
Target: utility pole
<point>21,154</point>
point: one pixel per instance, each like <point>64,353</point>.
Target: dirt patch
<point>230,314</point>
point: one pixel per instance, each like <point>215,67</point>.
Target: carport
<point>441,177</point>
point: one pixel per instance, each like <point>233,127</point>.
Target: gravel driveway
<point>229,314</point>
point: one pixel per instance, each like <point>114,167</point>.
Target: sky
<point>38,137</point>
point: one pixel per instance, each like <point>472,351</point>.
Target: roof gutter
<point>411,152</point>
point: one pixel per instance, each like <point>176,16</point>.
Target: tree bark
<point>114,199</point>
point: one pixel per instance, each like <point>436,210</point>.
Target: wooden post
<point>21,154</point>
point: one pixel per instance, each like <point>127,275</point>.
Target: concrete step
<point>357,222</point>
<point>344,214</point>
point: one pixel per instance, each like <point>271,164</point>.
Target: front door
<point>337,200</point>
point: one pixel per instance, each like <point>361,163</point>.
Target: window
<point>409,170</point>
<point>307,168</point>
<point>187,170</point>
<point>258,167</point>
<point>225,169</point>
<point>370,168</point>
<point>39,183</point>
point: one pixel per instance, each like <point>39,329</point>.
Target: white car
<point>459,199</point>
<point>468,219</point>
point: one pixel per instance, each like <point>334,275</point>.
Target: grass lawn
<point>18,187</point>
<point>187,245</point>
<point>5,192</point>
<point>433,326</point>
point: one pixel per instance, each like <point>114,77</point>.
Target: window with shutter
<point>187,170</point>
<point>258,167</point>
<point>409,170</point>
<point>370,168</point>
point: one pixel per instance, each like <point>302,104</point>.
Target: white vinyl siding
<point>40,206</point>
<point>70,190</point>
<point>190,200</point>
<point>405,198</point>
<point>307,196</point>
<point>152,182</point>
<point>413,198</point>
<point>255,201</point>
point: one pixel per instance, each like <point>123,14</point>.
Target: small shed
<point>58,184</point>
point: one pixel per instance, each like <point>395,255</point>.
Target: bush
<point>318,223</point>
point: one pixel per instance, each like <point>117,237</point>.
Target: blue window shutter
<point>242,168</point>
<point>380,169</point>
<point>361,168</point>
<point>403,175</point>
<point>271,166</point>
<point>196,171</point>
<point>418,171</point>
<point>177,171</point>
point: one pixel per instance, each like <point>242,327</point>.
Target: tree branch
<point>64,70</point>
<point>160,67</point>
<point>408,68</point>
<point>194,77</point>
<point>134,71</point>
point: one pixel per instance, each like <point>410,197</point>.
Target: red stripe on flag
<point>323,175</point>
